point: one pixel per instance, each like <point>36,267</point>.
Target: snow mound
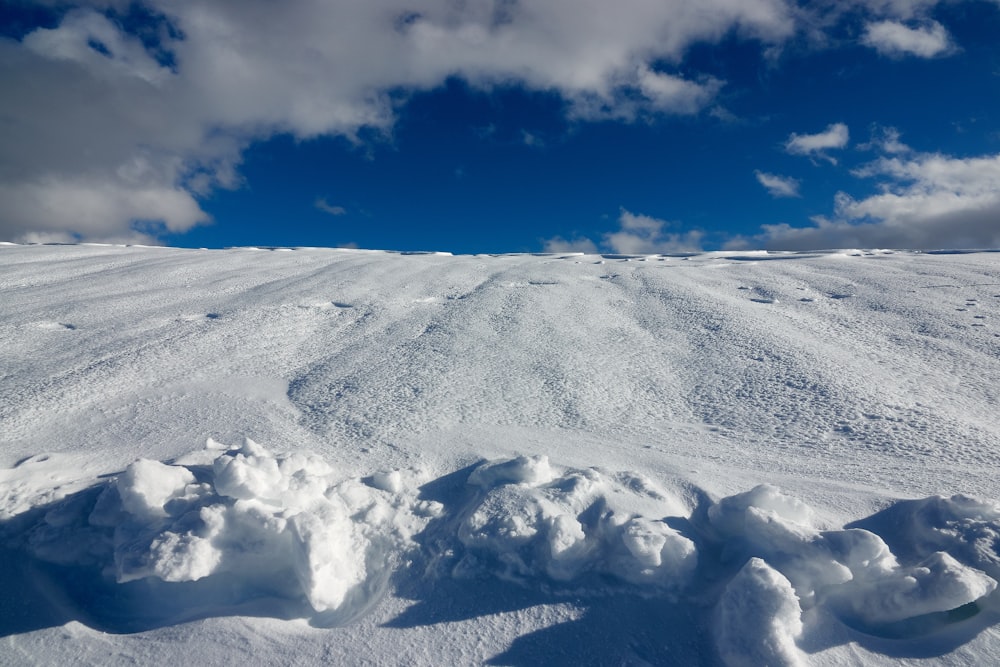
<point>964,527</point>
<point>762,551</point>
<point>852,572</point>
<point>286,526</point>
<point>759,618</point>
<point>531,521</point>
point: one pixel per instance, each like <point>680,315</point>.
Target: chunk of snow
<point>329,556</point>
<point>939,583</point>
<point>758,619</point>
<point>532,524</point>
<point>147,486</point>
<point>520,470</point>
<point>659,554</point>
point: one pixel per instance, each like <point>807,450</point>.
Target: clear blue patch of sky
<point>18,18</point>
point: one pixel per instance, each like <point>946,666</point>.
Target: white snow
<point>759,618</point>
<point>534,525</point>
<point>335,456</point>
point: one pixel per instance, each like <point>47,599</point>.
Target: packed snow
<point>359,457</point>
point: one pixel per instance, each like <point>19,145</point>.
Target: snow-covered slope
<point>299,456</point>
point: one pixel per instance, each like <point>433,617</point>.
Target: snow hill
<point>314,456</point>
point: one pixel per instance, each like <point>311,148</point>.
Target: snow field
<point>726,458</point>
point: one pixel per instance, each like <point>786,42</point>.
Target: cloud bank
<point>925,201</point>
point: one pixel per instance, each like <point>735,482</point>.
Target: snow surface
<point>359,457</point>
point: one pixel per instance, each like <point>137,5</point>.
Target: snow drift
<point>285,526</point>
<point>288,528</point>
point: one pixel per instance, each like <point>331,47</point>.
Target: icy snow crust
<point>715,459</point>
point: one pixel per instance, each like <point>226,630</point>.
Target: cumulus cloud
<point>155,123</point>
<point>814,145</point>
<point>325,206</point>
<point>778,186</point>
<point>896,39</point>
<point>96,209</point>
<point>925,201</point>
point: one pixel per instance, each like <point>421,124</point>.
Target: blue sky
<point>502,126</point>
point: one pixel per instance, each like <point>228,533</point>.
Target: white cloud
<point>778,186</point>
<point>84,102</point>
<point>642,234</point>
<point>814,145</point>
<point>925,201</point>
<point>672,94</point>
<point>886,140</point>
<point>96,210</point>
<point>559,244</point>
<point>91,40</point>
<point>532,140</point>
<point>903,9</point>
<point>323,205</point>
<point>892,38</point>
<point>637,234</point>
<point>929,172</point>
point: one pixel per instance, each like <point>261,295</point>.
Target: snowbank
<point>288,527</point>
<point>283,526</point>
<point>533,523</point>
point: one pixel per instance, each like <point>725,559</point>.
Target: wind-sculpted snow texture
<point>563,459</point>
